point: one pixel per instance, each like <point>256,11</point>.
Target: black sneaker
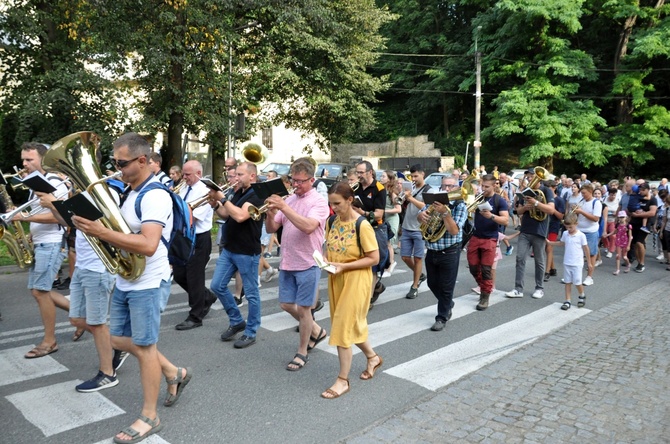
<point>639,268</point>
<point>319,306</point>
<point>552,272</point>
<point>244,341</point>
<point>546,277</point>
<point>65,285</point>
<point>379,289</point>
<point>412,293</point>
<point>239,301</point>
<point>229,334</point>
<point>100,382</point>
<point>421,279</point>
<point>119,358</point>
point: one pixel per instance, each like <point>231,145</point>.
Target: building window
<point>267,138</point>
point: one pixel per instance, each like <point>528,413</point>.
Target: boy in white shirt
<point>576,247</point>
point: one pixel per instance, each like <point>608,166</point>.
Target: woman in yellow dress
<point>350,286</point>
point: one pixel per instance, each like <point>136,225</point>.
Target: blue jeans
<point>441,273</point>
<point>226,266</point>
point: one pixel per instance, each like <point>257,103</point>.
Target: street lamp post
<point>478,100</point>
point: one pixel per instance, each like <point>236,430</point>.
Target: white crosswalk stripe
<point>450,363</point>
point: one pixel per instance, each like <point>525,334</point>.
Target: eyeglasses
<point>360,173</point>
<point>120,164</point>
<point>299,181</point>
<point>230,167</point>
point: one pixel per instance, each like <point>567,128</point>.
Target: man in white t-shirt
<point>49,252</point>
<point>136,304</point>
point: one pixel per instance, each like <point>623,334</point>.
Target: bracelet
<point>223,201</point>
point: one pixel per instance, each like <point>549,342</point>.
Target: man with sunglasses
<point>303,218</point>
<point>136,305</point>
<point>241,252</point>
<point>370,201</point>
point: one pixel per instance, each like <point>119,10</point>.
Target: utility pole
<point>478,100</point>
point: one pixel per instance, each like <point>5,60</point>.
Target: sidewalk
<point>603,378</point>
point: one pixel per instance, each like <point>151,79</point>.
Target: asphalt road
<point>247,395</point>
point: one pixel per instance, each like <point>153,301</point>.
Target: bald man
<point>191,277</point>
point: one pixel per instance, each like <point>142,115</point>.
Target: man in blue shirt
<point>490,214</point>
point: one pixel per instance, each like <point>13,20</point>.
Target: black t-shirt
<point>373,197</point>
<point>245,237</point>
<point>645,205</point>
<point>532,226</point>
<point>555,222</point>
<point>486,228</point>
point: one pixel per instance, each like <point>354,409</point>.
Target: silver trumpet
<point>29,208</point>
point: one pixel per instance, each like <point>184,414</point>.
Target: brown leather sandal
<point>332,393</point>
<point>40,351</point>
<point>366,374</point>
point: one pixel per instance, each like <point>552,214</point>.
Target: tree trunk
<point>624,108</point>
<point>173,154</point>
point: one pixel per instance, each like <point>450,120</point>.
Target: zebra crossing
<point>57,408</point>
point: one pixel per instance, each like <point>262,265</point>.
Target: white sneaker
<point>537,294</point>
<point>599,263</point>
<point>270,274</point>
<point>588,281</point>
<point>389,270</point>
<point>477,290</point>
<point>660,257</point>
<point>259,281</point>
<point>609,254</point>
<point>514,294</point>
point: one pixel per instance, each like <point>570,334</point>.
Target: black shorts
<point>639,236</point>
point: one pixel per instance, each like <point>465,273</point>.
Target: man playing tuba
<point>443,255</point>
<point>533,234</point>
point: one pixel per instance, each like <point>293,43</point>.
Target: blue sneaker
<point>118,359</point>
<point>509,251</point>
<point>100,382</point>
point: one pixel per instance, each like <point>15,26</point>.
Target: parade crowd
<point>359,225</point>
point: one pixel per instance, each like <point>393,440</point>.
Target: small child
<point>634,200</point>
<point>624,236</point>
<point>576,248</point>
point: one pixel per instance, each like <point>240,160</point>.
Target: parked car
<point>435,180</point>
<point>333,172</point>
<point>280,168</point>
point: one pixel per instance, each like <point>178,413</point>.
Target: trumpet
<point>257,213</point>
<point>29,208</point>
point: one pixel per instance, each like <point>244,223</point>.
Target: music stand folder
<point>37,182</point>
<point>266,189</point>
<point>430,198</point>
<point>77,205</point>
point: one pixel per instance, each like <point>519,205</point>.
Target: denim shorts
<point>299,287</point>
<point>412,244</point>
<point>592,242</point>
<point>166,288</point>
<point>89,295</point>
<point>48,259</point>
<point>136,314</point>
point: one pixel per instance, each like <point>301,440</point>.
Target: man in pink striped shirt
<point>303,216</point>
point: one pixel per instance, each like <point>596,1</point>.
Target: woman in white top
<point>589,211</point>
<point>574,198</point>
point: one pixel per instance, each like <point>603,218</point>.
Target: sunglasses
<point>120,164</point>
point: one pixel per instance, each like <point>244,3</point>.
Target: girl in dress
<point>353,253</point>
<point>624,235</point>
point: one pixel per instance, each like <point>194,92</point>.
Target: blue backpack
<point>182,237</point>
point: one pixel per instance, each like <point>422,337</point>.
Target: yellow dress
<point>349,292</point>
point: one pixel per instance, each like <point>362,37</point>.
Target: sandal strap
<point>303,357</point>
<point>176,380</point>
<point>372,357</point>
<point>151,422</point>
<point>131,432</point>
<point>343,379</point>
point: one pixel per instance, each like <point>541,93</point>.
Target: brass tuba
<point>434,228</point>
<point>540,174</point>
<point>255,153</point>
<point>76,156</point>
<point>12,234</point>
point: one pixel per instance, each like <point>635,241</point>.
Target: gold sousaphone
<point>76,156</point>
<point>540,174</point>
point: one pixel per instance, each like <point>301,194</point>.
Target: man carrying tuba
<point>533,233</point>
<point>443,255</point>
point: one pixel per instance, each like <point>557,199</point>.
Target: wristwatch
<point>493,216</point>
